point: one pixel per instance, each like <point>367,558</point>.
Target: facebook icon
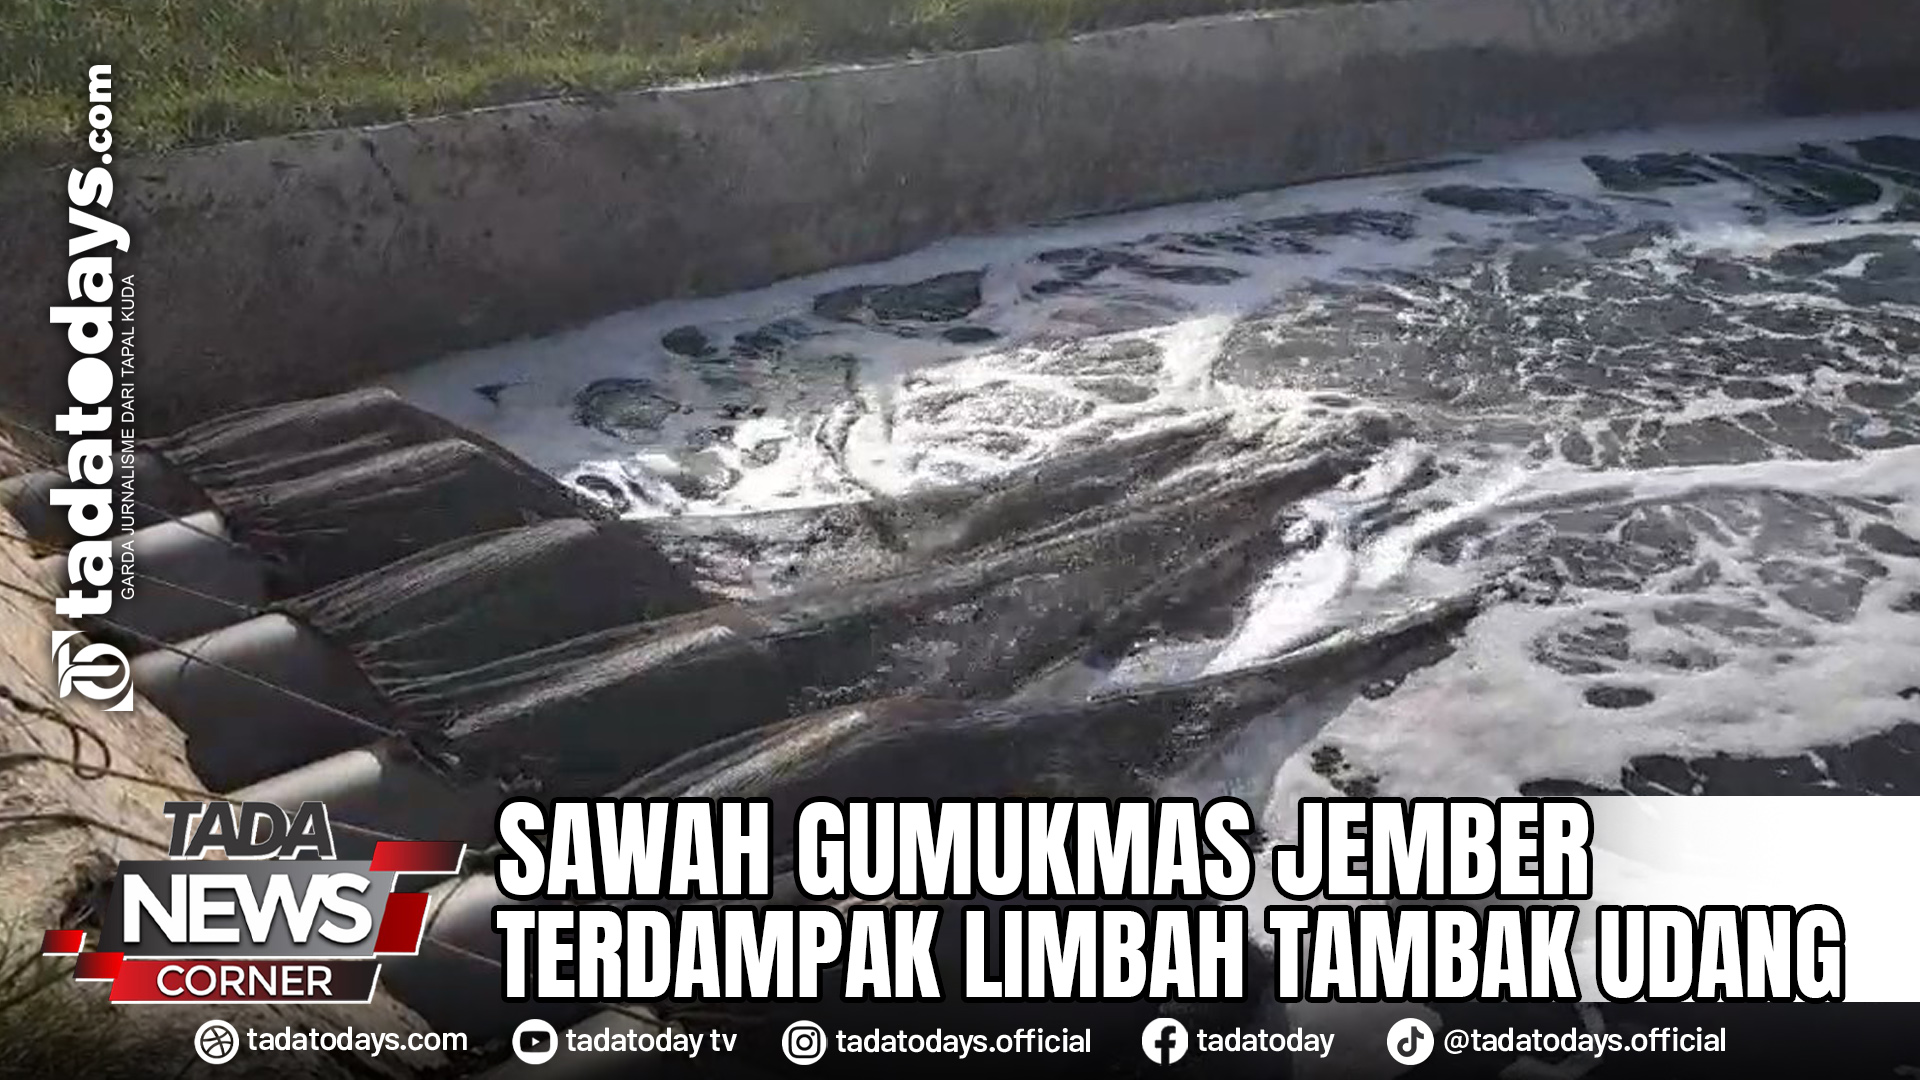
<point>1165,1040</point>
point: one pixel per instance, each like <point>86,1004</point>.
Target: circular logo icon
<point>1164,1040</point>
<point>535,1042</point>
<point>100,672</point>
<point>216,1042</point>
<point>804,1042</point>
<point>1410,1041</point>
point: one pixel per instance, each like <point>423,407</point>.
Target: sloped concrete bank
<point>79,791</point>
<point>1844,55</point>
<point>301,265</point>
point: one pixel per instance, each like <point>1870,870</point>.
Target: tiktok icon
<point>1410,1041</point>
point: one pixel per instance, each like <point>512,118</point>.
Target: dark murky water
<point>1661,394</point>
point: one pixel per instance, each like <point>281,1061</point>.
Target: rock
<point>770,340</point>
<point>1618,697</point>
<point>1122,391</point>
<point>1898,151</point>
<point>1660,772</point>
<point>1907,209</point>
<point>689,341</point>
<point>1331,763</point>
<point>1724,775</point>
<point>626,409</point>
<point>1524,202</point>
<point>1877,765</point>
<point>702,476</point>
<point>604,489</point>
<point>1387,224</point>
<point>970,335</point>
<point>1082,264</point>
<point>492,391</point>
<point>764,453</point>
<point>1888,540</point>
<point>1805,187</point>
<point>1543,789</point>
<point>945,298</point>
<point>1884,764</point>
<point>1651,172</point>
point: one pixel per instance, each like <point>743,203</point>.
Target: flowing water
<point>1659,393</point>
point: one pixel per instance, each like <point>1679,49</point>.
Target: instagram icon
<point>804,1042</point>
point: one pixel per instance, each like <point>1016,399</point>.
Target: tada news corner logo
<point>97,672</point>
<point>278,920</point>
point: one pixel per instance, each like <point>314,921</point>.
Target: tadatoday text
<point>1378,900</point>
<point>97,489</point>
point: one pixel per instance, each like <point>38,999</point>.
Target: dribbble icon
<point>1165,1040</point>
<point>216,1042</point>
<point>1410,1041</point>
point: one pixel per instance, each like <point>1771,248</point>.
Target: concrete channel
<point>289,268</point>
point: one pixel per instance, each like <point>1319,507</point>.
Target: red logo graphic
<point>279,919</point>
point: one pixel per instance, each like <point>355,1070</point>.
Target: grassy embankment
<point>198,71</point>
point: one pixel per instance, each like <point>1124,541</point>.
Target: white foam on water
<point>1342,579</point>
<point>539,378</point>
<point>1768,629</point>
<point>1491,718</point>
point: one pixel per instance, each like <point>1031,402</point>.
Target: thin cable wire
<point>96,773</point>
<point>79,733</point>
<point>78,820</point>
<point>153,642</point>
<point>426,761</point>
<point>48,463</point>
<point>48,549</point>
<point>168,647</point>
<point>76,731</point>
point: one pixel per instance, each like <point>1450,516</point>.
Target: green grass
<point>197,71</point>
